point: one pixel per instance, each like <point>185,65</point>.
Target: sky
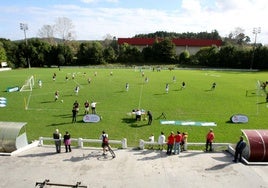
<point>95,19</point>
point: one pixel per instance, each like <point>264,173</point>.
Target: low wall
<point>81,141</point>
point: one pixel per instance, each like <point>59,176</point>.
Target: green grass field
<point>196,102</point>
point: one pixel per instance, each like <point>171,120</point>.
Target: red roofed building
<point>192,45</point>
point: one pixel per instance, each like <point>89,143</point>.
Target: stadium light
<point>24,28</point>
<point>256,31</point>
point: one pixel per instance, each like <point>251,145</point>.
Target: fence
<point>81,141</point>
<point>143,143</point>
<point>123,142</point>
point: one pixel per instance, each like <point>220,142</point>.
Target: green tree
<point>90,53</point>
<point>237,37</point>
<point>52,57</point>
<point>129,54</point>
<point>3,57</point>
<point>184,57</point>
<point>109,55</point>
<point>189,35</point>
<point>260,60</point>
<point>164,51</point>
<point>65,55</point>
<point>147,54</point>
<point>226,56</point>
<point>10,48</point>
<point>38,51</point>
<point>207,56</point>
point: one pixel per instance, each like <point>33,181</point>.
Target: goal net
<point>28,85</point>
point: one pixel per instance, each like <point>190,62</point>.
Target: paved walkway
<point>130,169</point>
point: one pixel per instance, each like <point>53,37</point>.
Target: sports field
<point>196,102</point>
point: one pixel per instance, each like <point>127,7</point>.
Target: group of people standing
<point>176,142</point>
<point>139,113</point>
<point>87,105</point>
<point>66,141</point>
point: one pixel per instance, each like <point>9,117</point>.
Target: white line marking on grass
<point>78,84</point>
<point>46,109</point>
<point>140,95</point>
<point>257,106</point>
<point>42,94</point>
<point>213,75</point>
<point>28,101</point>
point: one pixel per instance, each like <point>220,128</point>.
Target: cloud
<point>188,16</point>
<point>192,6</point>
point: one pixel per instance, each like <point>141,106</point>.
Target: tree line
<point>236,52</point>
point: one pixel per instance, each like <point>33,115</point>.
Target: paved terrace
<point>130,168</point>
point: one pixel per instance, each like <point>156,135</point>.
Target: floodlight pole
<point>24,28</point>
<point>255,31</point>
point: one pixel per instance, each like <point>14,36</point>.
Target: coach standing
<point>210,137</point>
<point>240,146</point>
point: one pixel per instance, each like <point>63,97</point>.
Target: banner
<point>3,102</point>
<point>91,118</point>
<point>239,118</point>
<point>185,123</point>
<point>12,89</point>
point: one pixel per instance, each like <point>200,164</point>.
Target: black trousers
<point>208,144</point>
<point>169,149</point>
<point>68,147</point>
<point>238,154</point>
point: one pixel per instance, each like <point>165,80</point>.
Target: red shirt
<point>171,139</point>
<point>210,136</point>
<point>178,138</point>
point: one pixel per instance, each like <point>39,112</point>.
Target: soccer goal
<point>28,85</point>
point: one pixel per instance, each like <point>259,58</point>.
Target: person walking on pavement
<point>105,142</point>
